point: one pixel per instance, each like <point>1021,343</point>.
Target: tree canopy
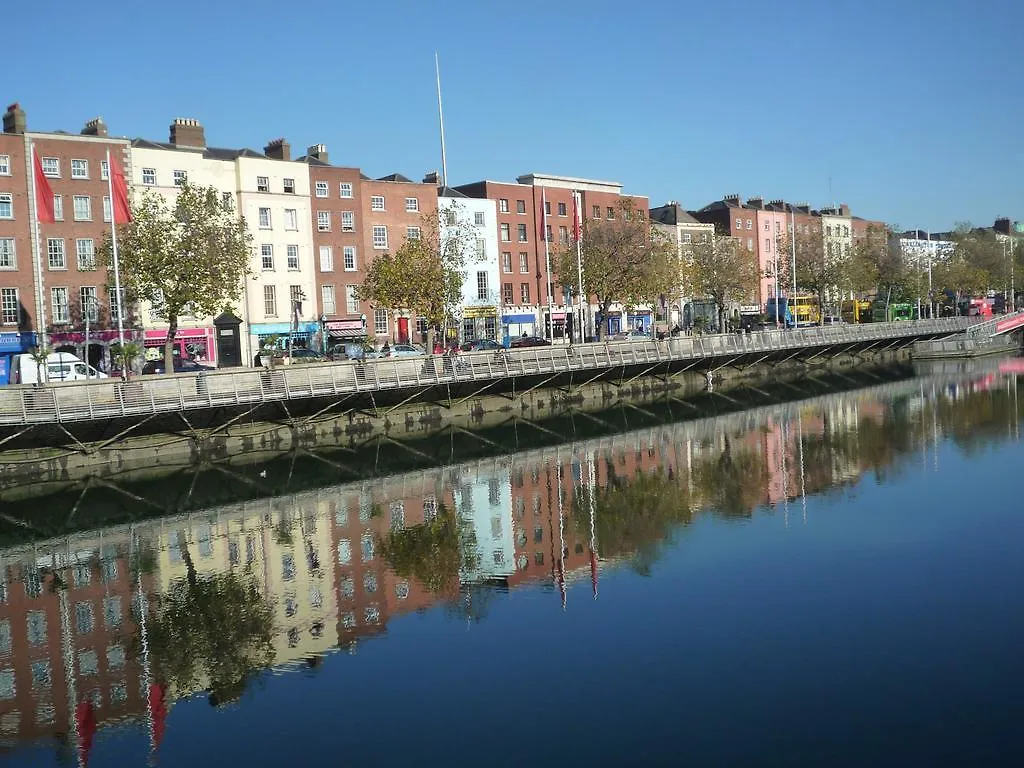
<point>723,269</point>
<point>185,258</point>
<point>625,260</point>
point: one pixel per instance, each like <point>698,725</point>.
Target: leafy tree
<point>980,261</point>
<point>424,276</point>
<point>732,483</point>
<point>818,269</point>
<point>877,264</point>
<point>625,260</point>
<point>187,257</point>
<point>723,269</point>
<point>218,629</point>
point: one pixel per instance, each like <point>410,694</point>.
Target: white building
<point>473,223</point>
<point>272,192</point>
<point>483,503</point>
<point>673,221</point>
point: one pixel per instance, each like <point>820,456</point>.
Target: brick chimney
<point>278,149</point>
<point>1002,225</point>
<point>735,199</point>
<point>14,119</point>
<point>95,127</point>
<point>803,207</point>
<point>844,209</point>
<point>186,132</point>
<point>755,202</point>
<point>432,178</point>
<point>318,151</point>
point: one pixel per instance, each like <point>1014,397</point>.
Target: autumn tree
<point>819,269</point>
<point>877,264</point>
<point>625,259</point>
<point>723,269</point>
<point>186,257</point>
<point>979,261</point>
<point>425,274</point>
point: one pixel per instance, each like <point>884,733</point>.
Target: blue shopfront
<point>11,344</point>
<point>519,325</point>
<point>304,334</point>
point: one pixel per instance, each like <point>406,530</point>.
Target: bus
<point>855,311</point>
<point>882,312</point>
<point>780,306</point>
<point>976,307</point>
<point>806,309</point>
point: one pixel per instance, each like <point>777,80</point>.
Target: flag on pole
<point>577,218</point>
<point>44,193</point>
<point>543,228</point>
<point>119,188</point>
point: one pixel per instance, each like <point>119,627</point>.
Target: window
<point>107,210</point>
<point>5,165</point>
<point>351,301</point>
<point>266,257</point>
<point>79,169</point>
<point>297,296</point>
<point>503,205</point>
<point>524,263</point>
<point>505,233</point>
<point>35,623</point>
<point>749,224</point>
<point>326,259</point>
<point>345,189</point>
<point>563,235</point>
<point>88,663</point>
<point>377,202</point>
<point>522,232</point>
<point>610,212</point>
<point>112,304</point>
<point>412,233</point>
<point>289,186</point>
<point>348,255</point>
<point>596,211</point>
<point>506,293</point>
<point>269,301</point>
<point>321,189</point>
<point>55,253</point>
<point>481,249</point>
<point>750,244</point>
<point>547,208</point>
<point>51,167</point>
<point>828,230</point>
<point>561,209</point>
<point>547,233</point>
<point>479,218</point>
<point>482,290</point>
<point>739,223</point>
<point>327,299</point>
<point>380,237</point>
<point>520,206</point>
<point>291,219</point>
<point>264,218</point>
<point>84,619</point>
<point>292,257</point>
<point>58,207</point>
<point>180,178</point>
<point>767,227</point>
<point>149,177</point>
<point>767,245</point>
<point>104,170</point>
<point>7,258</point>
<point>226,199</point>
<point>262,184</point>
<point>506,262</point>
<point>85,251</point>
<point>687,238</point>
<point>412,205</point>
<point>524,293</point>
<point>89,303</point>
<point>323,221</point>
<point>83,208</point>
<point>9,313</point>
<point>6,205</point>
<point>348,221</point>
<point>380,322</point>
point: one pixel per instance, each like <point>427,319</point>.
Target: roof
<point>449,192</point>
<point>209,153</point>
<point>672,213</point>
<point>396,177</point>
<point>310,160</point>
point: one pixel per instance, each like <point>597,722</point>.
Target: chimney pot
<point>278,149</point>
<point>95,127</point>
<point>187,132</point>
<point>319,151</point>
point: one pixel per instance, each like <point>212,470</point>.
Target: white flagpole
<point>42,339</point>
<point>440,116</point>
<point>578,225</point>
<point>117,263</point>
<point>547,261</point>
<point>792,243</point>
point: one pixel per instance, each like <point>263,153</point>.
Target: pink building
<point>772,230</point>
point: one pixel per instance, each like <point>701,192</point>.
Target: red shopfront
<point>189,343</point>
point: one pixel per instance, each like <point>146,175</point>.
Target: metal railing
<point>979,329</point>
<point>144,396</point>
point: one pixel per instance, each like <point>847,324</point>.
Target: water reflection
<point>109,629</point>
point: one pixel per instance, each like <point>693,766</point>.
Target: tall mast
<point>440,117</point>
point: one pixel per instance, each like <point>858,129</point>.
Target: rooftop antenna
<point>440,116</point>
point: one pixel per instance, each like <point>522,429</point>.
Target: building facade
<point>471,225</point>
<point>681,228</point>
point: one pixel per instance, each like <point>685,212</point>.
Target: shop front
<point>639,320</point>
<point>610,322</point>
<point>340,331</point>
<point>189,344</point>
<point>11,344</point>
<point>557,322</point>
<point>521,324</point>
<point>304,334</point>
<point>99,344</point>
<point>479,322</point>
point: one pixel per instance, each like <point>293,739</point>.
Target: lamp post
<point>297,300</point>
<point>323,334</point>
<point>90,304</point>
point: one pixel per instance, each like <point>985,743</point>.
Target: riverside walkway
<point>312,388</point>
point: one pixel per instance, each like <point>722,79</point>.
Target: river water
<point>831,581</point>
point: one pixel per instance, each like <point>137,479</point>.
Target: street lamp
<point>323,333</point>
<point>89,305</point>
<point>297,298</point>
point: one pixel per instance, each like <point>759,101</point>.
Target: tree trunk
<point>172,331</point>
<point>599,327</point>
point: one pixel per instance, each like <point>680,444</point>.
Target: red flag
<point>543,215</point>
<point>122,209</point>
<point>85,716</point>
<point>577,219</point>
<point>44,193</point>
<point>158,706</point>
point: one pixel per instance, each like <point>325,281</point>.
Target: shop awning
<point>516,319</point>
<point>345,329</point>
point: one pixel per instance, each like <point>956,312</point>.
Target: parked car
<point>529,341</point>
<point>181,365</point>
<point>406,350</point>
<point>480,345</point>
<point>59,366</point>
<point>353,351</point>
<point>305,355</point>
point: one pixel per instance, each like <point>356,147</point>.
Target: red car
<point>529,341</point>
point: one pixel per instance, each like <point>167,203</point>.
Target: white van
<point>59,366</point>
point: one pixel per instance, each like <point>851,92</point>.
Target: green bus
<point>880,312</point>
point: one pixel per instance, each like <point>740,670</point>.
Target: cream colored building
<point>272,192</point>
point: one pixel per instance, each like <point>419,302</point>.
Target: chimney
<point>1002,225</point>
<point>756,202</point>
<point>186,132</point>
<point>432,178</point>
<point>318,151</point>
<point>95,127</point>
<point>803,207</point>
<point>278,149</point>
<point>14,119</point>
<point>732,199</point>
<point>844,209</point>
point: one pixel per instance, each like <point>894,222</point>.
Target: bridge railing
<point>144,396</point>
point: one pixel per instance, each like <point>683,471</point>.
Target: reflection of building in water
<point>484,507</point>
<point>66,627</point>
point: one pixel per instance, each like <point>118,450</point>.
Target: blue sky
<point>912,109</point>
